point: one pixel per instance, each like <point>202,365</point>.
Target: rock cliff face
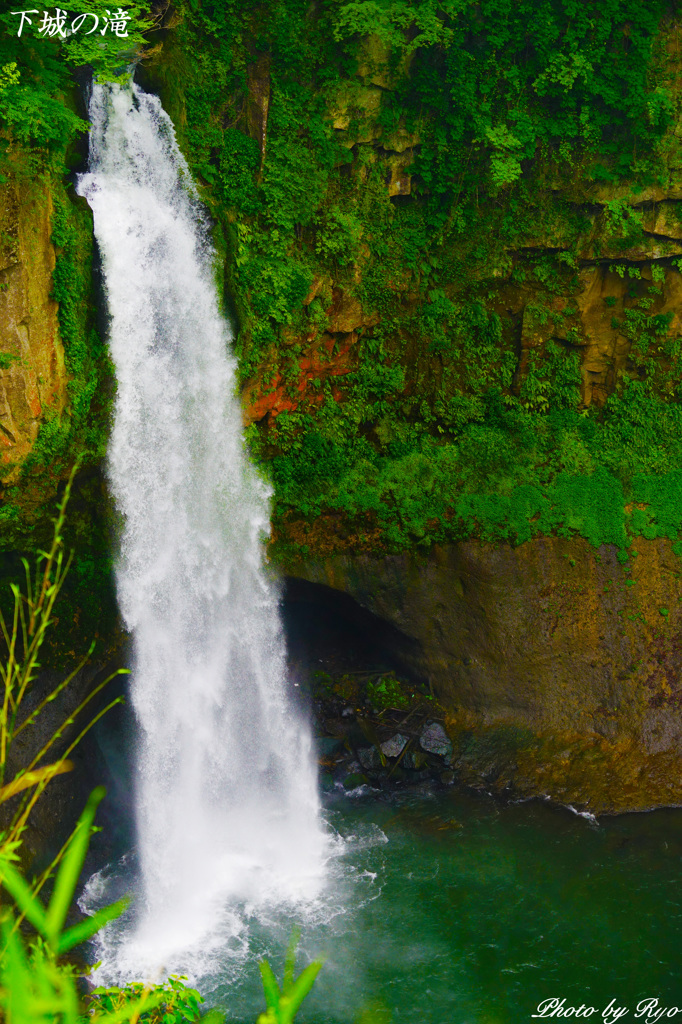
<point>624,241</point>
<point>559,667</point>
<point>32,375</point>
<point>379,326</point>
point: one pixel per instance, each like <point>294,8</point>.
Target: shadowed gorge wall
<point>559,666</point>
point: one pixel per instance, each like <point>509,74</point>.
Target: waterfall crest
<point>226,801</point>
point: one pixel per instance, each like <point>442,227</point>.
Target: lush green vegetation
<point>406,287</point>
<point>37,101</point>
<point>430,431</point>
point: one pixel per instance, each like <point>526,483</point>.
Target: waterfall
<point>226,802</point>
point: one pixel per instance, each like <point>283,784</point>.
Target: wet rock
<point>435,740</point>
<point>408,761</point>
<point>355,110</point>
<point>327,746</point>
<point>395,746</point>
<point>399,181</point>
<point>327,783</point>
<point>355,780</point>
<point>346,313</point>
<point>369,758</point>
<point>270,392</point>
<point>258,104</point>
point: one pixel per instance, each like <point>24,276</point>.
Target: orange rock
<point>319,364</point>
<point>33,378</point>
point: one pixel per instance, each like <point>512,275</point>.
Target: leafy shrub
<point>170,1002</point>
<point>386,693</point>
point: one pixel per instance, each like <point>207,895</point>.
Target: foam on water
<point>242,930</point>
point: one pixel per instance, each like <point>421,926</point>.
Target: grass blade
<point>33,778</point>
<point>290,961</point>
<point>84,929</point>
<point>23,896</point>
<point>270,986</point>
<point>301,987</point>
<point>67,876</point>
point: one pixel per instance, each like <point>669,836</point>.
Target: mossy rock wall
<point>453,248</point>
<point>55,391</point>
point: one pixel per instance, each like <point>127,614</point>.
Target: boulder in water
<point>355,780</point>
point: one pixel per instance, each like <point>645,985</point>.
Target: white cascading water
<point>226,801</point>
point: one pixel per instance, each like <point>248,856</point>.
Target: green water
<point>456,910</point>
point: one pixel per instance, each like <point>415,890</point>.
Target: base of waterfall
<point>207,928</point>
<point>448,908</point>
